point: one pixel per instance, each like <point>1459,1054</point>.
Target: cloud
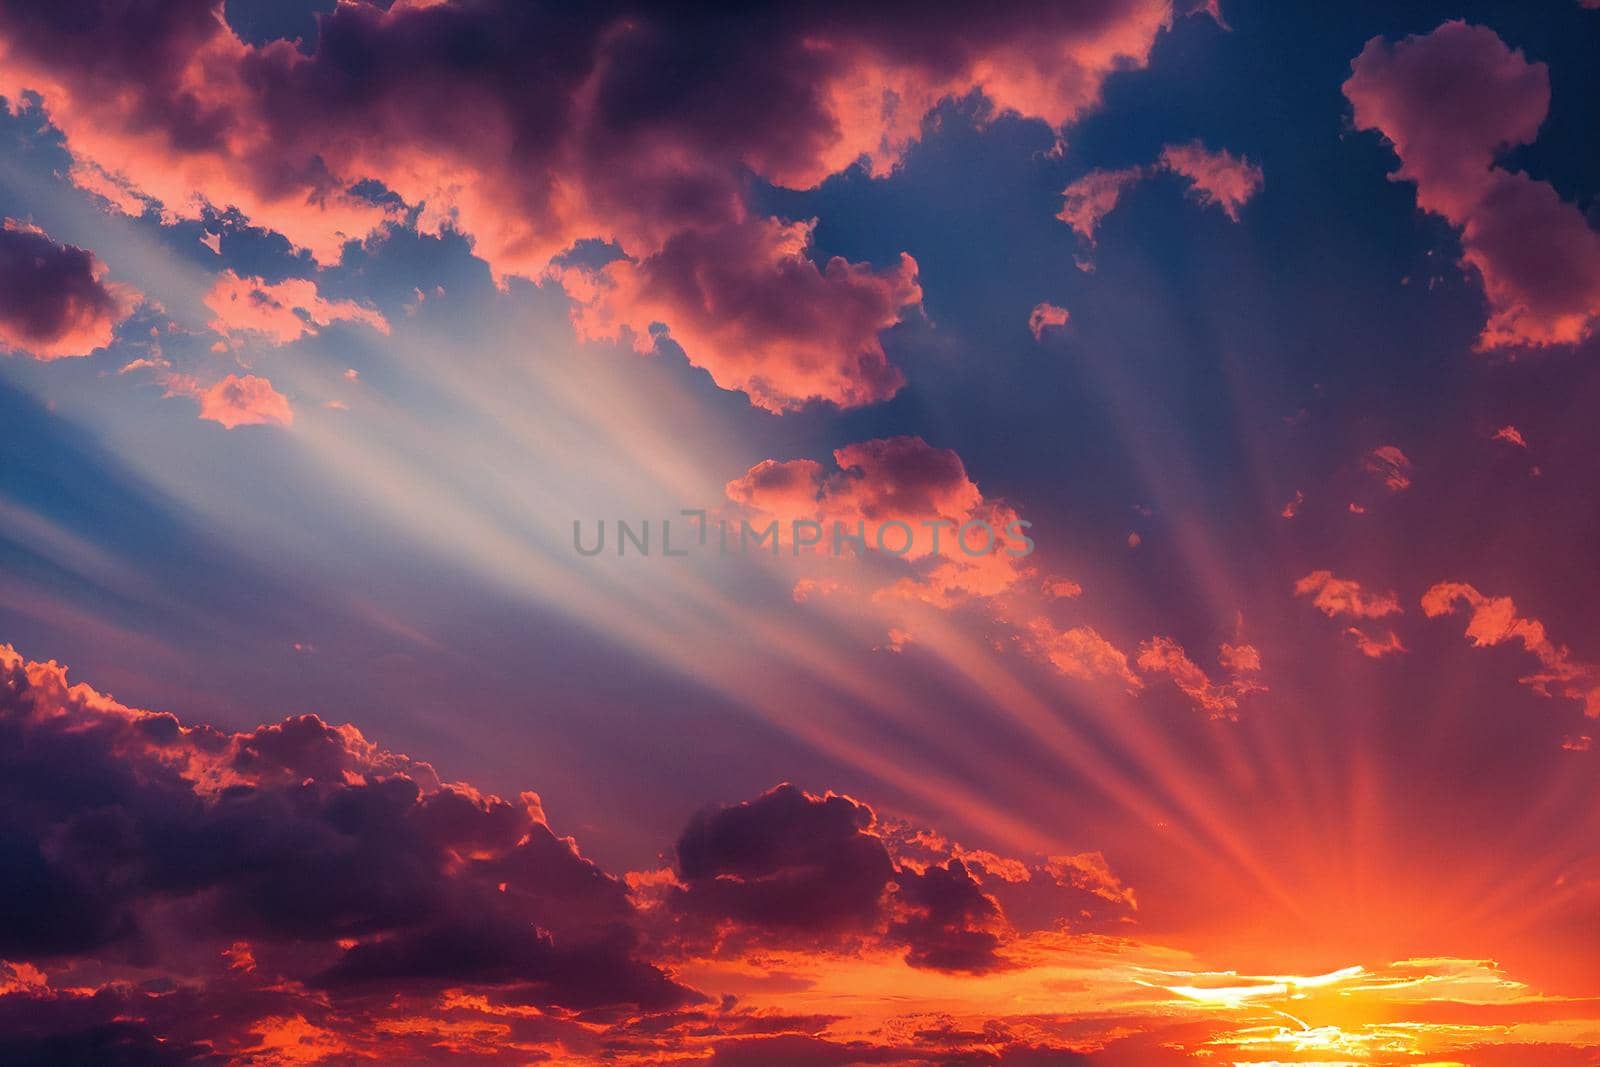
<point>352,865</point>
<point>235,400</point>
<point>1043,316</point>
<point>1218,178</point>
<point>785,861</point>
<point>1450,102</point>
<point>757,313</point>
<point>1335,596</point>
<point>1220,700</point>
<point>279,312</point>
<point>1375,647</point>
<point>792,868</point>
<point>914,494</point>
<point>1092,197</point>
<point>53,303</point>
<point>1511,436</point>
<point>1080,652</point>
<point>1494,620</point>
<point>1390,466</point>
<point>640,129</point>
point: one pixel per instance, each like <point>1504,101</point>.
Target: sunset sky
<point>1276,328</point>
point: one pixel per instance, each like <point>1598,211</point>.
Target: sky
<point>1175,646</point>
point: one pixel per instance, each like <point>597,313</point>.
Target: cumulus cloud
<point>352,865</point>
<point>639,129</point>
<point>757,313</point>
<point>963,543</point>
<point>792,868</point>
<point>1450,102</point>
<point>54,302</point>
<point>279,312</point>
<point>235,400</point>
<point>1494,620</point>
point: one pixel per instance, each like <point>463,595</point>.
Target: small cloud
<point>1044,316</point>
<point>1061,588</point>
<point>1511,436</point>
<point>1391,466</point>
<point>1375,647</point>
<point>1218,178</point>
<point>235,400</point>
<point>1334,596</point>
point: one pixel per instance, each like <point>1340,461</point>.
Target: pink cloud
<point>1220,700</point>
<point>279,312</point>
<point>235,401</point>
<point>1390,465</point>
<point>1044,316</point>
<point>1218,178</point>
<point>897,480</point>
<point>1341,596</point>
<point>1450,102</point>
<point>1494,620</point>
<point>756,313</point>
<point>53,302</point>
<point>1092,197</point>
<point>609,142</point>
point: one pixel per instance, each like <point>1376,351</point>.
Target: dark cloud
<point>53,303</point>
<point>299,833</point>
<point>793,867</point>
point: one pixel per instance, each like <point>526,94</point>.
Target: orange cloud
<point>1494,620</point>
<point>1511,436</point>
<point>1341,596</point>
<point>1390,465</point>
<point>1163,655</point>
<point>1081,652</point>
<point>1375,647</point>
